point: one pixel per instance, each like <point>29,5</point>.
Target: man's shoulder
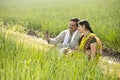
<point>78,33</point>
<point>65,31</point>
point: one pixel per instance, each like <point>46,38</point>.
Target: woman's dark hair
<point>87,25</point>
<point>75,20</point>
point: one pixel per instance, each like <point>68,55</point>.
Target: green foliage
<point>18,62</point>
<point>54,16</point>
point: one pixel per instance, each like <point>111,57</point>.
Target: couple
<point>79,36</point>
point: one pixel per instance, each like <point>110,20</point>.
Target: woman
<point>88,43</point>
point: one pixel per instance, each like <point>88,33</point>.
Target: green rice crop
<point>54,16</point>
<point>18,62</point>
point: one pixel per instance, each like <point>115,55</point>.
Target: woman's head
<point>84,25</point>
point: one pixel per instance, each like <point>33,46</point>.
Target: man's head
<point>73,24</point>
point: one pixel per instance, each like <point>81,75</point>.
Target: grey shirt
<point>60,38</point>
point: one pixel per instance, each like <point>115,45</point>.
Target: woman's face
<point>81,28</point>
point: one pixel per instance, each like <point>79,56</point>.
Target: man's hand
<point>47,37</point>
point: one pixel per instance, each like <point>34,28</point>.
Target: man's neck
<point>71,32</point>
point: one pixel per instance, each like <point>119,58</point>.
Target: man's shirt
<point>60,38</point>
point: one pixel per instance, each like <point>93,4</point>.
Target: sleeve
<point>93,40</point>
<point>59,38</point>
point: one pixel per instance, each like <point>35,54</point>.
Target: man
<point>67,38</point>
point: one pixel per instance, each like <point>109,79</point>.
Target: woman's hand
<point>93,47</point>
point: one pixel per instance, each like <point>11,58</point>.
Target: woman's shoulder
<point>92,39</point>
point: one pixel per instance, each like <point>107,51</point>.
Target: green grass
<point>54,16</point>
<point>21,62</point>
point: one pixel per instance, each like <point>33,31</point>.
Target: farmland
<point>25,59</point>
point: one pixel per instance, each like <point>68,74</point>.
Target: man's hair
<point>75,20</point>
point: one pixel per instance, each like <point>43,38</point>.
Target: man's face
<point>72,26</point>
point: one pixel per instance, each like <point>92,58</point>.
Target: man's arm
<point>59,38</point>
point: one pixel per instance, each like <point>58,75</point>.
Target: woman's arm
<point>93,47</point>
<point>76,47</point>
